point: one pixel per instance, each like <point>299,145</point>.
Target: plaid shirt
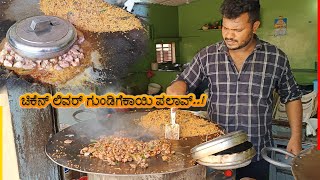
<point>243,100</point>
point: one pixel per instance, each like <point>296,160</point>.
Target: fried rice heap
<point>94,15</point>
<point>190,124</point>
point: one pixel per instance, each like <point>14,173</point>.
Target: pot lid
<point>232,158</point>
<point>41,37</point>
<point>219,144</point>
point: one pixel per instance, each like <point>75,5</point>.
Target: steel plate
<point>67,155</point>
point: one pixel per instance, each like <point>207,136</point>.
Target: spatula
<point>172,130</point>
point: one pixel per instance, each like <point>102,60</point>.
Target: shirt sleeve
<point>288,87</point>
<point>193,74</point>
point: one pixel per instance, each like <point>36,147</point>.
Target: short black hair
<point>232,9</point>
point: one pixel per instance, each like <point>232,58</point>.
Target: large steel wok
<point>304,166</point>
<point>68,155</point>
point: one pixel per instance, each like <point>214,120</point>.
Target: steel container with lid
<point>230,151</point>
<point>218,144</point>
<point>41,37</point>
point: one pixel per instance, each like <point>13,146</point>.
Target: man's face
<point>237,33</point>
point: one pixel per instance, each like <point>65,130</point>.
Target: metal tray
<point>68,155</point>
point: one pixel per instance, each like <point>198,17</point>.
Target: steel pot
<point>230,151</point>
<point>41,37</point>
<point>304,166</point>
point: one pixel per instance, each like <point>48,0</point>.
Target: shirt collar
<point>223,48</point>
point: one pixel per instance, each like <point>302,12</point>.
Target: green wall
<point>164,20</point>
<point>164,27</point>
<point>191,18</point>
<point>300,43</point>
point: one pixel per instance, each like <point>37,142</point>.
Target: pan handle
<point>264,154</point>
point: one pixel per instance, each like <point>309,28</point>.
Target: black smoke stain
<point>120,50</point>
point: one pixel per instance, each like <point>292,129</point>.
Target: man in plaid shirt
<point>243,72</point>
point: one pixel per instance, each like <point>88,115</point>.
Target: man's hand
<point>294,145</point>
<point>177,88</point>
<point>294,112</point>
